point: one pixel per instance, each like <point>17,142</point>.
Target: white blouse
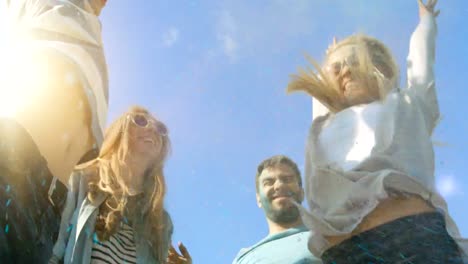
<point>355,156</point>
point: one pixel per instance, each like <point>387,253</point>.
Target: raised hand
<point>428,8</point>
<point>175,258</point>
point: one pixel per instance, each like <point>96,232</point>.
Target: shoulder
<point>167,217</point>
<point>239,255</point>
<point>248,252</point>
<point>168,224</point>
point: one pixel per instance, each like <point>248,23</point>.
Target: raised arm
<point>25,7</point>
<point>65,35</point>
<point>421,59</point>
<point>72,28</point>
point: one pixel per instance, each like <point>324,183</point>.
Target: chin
<point>358,99</point>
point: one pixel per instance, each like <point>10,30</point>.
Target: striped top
<point>120,248</point>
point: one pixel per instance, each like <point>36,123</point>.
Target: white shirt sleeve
<point>421,83</point>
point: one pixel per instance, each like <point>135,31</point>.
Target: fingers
<point>173,255</point>
<point>171,248</point>
<point>431,5</point>
<point>184,251</point>
<point>428,8</point>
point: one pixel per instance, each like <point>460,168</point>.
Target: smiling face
<point>278,187</point>
<point>145,137</point>
<point>343,66</point>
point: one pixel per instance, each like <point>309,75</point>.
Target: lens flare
<point>20,73</point>
<point>446,185</point>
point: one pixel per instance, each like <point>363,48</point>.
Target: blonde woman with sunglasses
<point>114,211</point>
<point>369,160</point>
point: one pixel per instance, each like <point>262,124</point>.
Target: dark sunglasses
<point>143,121</point>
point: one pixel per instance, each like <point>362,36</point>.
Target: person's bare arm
<point>70,96</point>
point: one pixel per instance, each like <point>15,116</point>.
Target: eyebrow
<point>282,175</point>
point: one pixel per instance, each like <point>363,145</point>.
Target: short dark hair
<point>275,161</point>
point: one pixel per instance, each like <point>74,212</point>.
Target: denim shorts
<point>415,239</point>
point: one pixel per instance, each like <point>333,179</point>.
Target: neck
<point>134,179</point>
<point>275,228</point>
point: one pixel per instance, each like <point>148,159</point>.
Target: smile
<point>281,196</point>
<point>149,140</point>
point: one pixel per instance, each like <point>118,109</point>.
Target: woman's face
<point>146,135</point>
<point>342,65</point>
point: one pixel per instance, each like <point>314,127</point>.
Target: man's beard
<point>284,215</point>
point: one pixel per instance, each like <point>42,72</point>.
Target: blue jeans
<point>415,239</point>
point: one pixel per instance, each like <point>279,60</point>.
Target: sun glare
<point>19,73</point>
<point>446,185</point>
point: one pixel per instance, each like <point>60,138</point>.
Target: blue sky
<point>216,71</point>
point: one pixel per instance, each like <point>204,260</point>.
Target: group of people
<point>71,193</point>
<point>369,164</point>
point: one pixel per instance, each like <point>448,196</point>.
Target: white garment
<point>355,156</point>
<point>70,28</point>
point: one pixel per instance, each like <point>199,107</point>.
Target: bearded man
<point>278,190</point>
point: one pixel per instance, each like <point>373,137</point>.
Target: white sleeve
<point>421,83</point>
<point>318,109</point>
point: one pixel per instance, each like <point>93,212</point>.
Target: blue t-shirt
<point>287,247</point>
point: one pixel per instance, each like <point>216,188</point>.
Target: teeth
<point>286,195</point>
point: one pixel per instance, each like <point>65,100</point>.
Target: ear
<point>301,195</point>
<point>259,204</point>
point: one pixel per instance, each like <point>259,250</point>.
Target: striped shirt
<point>120,248</point>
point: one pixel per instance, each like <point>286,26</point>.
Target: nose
<point>149,131</point>
<point>345,69</point>
<point>279,184</point>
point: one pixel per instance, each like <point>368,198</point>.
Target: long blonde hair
<point>105,177</point>
<point>315,82</point>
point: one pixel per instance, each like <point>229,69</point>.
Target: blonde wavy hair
<point>105,177</point>
<point>375,63</point>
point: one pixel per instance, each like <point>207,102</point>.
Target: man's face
<point>278,186</point>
